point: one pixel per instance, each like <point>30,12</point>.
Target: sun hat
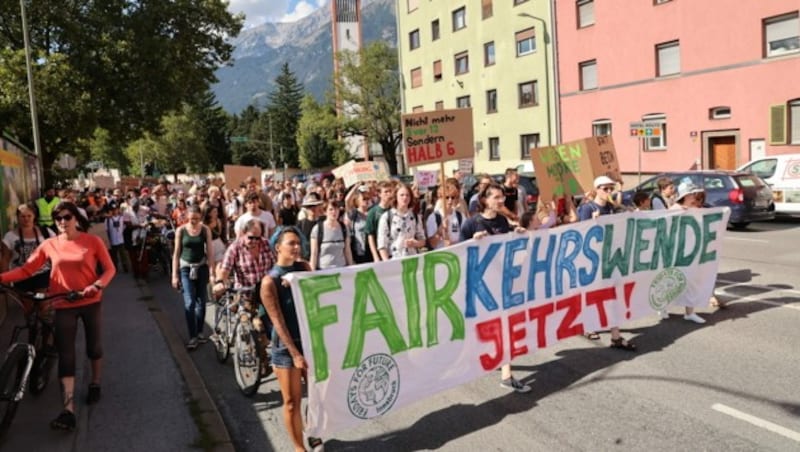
<point>687,188</point>
<point>311,200</point>
<point>603,180</point>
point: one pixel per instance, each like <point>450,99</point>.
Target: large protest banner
<point>236,174</point>
<point>570,168</point>
<point>438,136</point>
<point>380,336</point>
<point>354,172</point>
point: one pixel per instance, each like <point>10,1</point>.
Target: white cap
<point>603,180</point>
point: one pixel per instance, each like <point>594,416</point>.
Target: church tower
<point>347,36</point>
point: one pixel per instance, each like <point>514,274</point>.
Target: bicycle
<point>233,326</point>
<point>27,364</point>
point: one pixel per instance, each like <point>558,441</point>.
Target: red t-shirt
<point>74,267</point>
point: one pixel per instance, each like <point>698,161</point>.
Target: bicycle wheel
<point>12,374</point>
<point>222,345</point>
<point>246,361</point>
<point>42,364</point>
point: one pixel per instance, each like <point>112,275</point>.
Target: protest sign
<point>378,337</point>
<point>426,179</point>
<point>103,181</point>
<point>465,166</point>
<point>570,168</point>
<point>438,136</point>
<point>236,174</point>
<point>354,172</point>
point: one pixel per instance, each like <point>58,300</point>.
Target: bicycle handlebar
<point>70,296</point>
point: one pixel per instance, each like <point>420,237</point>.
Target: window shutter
<point>525,34</point>
<point>794,118</point>
<point>777,124</point>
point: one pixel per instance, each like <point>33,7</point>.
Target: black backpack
<point>438,217</point>
<point>321,233</point>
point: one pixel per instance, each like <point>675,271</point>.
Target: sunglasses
<point>450,198</point>
<point>253,237</point>
<point>67,217</point>
<point>607,189</point>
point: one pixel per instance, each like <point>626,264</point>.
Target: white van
<point>782,173</point>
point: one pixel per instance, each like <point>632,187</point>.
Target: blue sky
<point>260,11</point>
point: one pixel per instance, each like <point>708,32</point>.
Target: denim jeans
<point>195,297</point>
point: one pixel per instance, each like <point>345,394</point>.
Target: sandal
<point>622,344</point>
<point>315,444</point>
<point>94,394</point>
<point>592,335</point>
<point>64,421</point>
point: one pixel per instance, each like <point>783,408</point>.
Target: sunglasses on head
<point>65,217</point>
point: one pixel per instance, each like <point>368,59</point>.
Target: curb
<point>209,414</point>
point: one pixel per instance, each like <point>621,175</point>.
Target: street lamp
<point>37,145</point>
<point>546,74</point>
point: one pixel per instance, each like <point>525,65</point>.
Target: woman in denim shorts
<point>287,351</point>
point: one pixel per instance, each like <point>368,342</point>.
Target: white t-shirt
<point>453,231</point>
<point>114,226</point>
<point>20,251</point>
<point>266,218</point>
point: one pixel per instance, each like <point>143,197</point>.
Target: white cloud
<point>260,11</point>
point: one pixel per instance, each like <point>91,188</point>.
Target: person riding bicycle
<point>74,256</point>
<point>249,258</point>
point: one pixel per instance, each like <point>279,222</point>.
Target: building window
<point>528,94</point>
<point>657,141</point>
<point>719,113</point>
<point>659,2</point>
<point>417,109</point>
<point>416,77</point>
<point>588,74</point>
<point>601,128</point>
<point>486,9</point>
<point>462,63</point>
<point>526,41</point>
<point>435,30</point>
<point>437,71</point>
<point>782,35</point>
<point>488,54</point>
<point>585,13</point>
<point>526,143</point>
<point>669,58</point>
<point>794,122</point>
<point>439,105</point>
<point>413,39</point>
<point>519,2</point>
<point>459,18</point>
<point>412,5</point>
<point>463,102</point>
<point>491,101</point>
<point>494,148</point>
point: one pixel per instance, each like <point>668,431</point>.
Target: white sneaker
<point>663,314</point>
<point>694,318</point>
<point>515,385</point>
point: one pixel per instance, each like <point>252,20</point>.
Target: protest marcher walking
<point>400,231</point>
<point>443,225</point>
<point>252,204</point>
<point>661,198</point>
<point>600,205</point>
<point>115,228</point>
<point>386,200</point>
<point>312,207</point>
<point>358,204</point>
<point>330,242</point>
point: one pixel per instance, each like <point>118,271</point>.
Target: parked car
<point>782,174</point>
<point>747,195</point>
<point>526,180</point>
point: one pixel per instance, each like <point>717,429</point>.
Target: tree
<point>103,149</point>
<point>182,145</point>
<point>213,122</point>
<point>317,136</point>
<point>368,99</point>
<point>115,64</point>
<point>284,110</point>
<point>248,124</point>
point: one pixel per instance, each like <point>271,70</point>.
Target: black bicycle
<point>233,326</point>
<point>28,364</point>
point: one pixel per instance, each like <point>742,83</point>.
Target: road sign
<point>645,129</point>
<point>239,140</point>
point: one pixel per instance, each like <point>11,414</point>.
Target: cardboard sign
<point>236,174</point>
<point>426,179</point>
<point>103,182</point>
<point>438,136</point>
<point>570,168</point>
<point>354,172</point>
<point>465,166</point>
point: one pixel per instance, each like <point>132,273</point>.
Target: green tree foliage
<point>248,124</point>
<point>317,136</point>
<point>369,97</point>
<point>102,148</point>
<point>213,121</point>
<point>119,65</point>
<point>284,110</point>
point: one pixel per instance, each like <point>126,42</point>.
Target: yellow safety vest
<point>46,210</point>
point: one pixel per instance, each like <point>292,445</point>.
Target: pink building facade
<point>719,78</point>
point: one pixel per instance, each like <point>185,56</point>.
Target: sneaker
<point>201,338</point>
<point>192,344</point>
<point>515,385</point>
<point>694,318</point>
<point>94,394</point>
<point>664,314</point>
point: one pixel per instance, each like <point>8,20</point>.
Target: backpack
<point>321,233</point>
<point>438,217</point>
<point>655,194</point>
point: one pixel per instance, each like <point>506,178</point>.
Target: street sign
<point>239,140</point>
<point>645,129</point>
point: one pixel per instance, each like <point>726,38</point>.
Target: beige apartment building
<point>495,56</point>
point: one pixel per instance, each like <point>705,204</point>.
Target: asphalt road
<point>730,384</point>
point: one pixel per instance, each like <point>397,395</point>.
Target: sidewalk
<point>153,397</point>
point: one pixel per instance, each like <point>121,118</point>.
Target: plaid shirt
<point>247,270</point>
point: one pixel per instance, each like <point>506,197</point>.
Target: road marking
<point>747,240</point>
<point>731,282</point>
<point>758,422</point>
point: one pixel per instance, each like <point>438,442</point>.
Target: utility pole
<point>37,144</point>
<point>271,149</point>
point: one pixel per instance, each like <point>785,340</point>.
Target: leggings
<point>66,326</point>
